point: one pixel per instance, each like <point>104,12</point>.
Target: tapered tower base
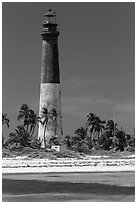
<point>50,98</point>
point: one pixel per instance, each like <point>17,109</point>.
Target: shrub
<point>83,147</point>
<point>21,137</point>
<point>67,154</point>
<point>35,143</point>
<point>53,141</point>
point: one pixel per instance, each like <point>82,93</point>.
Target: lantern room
<point>50,17</point>
<point>50,25</point>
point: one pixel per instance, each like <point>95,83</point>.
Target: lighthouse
<point>50,93</point>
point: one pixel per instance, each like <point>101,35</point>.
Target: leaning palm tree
<point>49,116</point>
<point>94,125</point>
<point>33,121</point>
<point>90,128</point>
<point>53,117</point>
<point>91,121</point>
<point>30,118</point>
<point>24,114</point>
<point>5,121</point>
<point>111,127</point>
<point>99,126</point>
<point>44,120</point>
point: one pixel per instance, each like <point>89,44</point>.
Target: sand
<point>70,165</point>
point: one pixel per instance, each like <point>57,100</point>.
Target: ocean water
<point>69,187</point>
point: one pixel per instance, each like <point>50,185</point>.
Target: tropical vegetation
<point>95,135</point>
<point>5,121</point>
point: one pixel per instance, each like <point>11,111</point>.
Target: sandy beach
<point>67,169</point>
<point>66,165</point>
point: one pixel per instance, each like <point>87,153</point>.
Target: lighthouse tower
<point>50,94</point>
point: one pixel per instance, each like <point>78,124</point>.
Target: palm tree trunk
<point>55,126</point>
<point>98,139</point>
<point>27,128</point>
<point>2,140</point>
<point>33,130</point>
<point>45,132</point>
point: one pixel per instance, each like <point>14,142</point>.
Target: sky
<point>96,57</point>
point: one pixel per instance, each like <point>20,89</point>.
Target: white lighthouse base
<point>50,97</point>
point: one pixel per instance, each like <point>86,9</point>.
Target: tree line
<point>95,134</point>
<point>23,134</point>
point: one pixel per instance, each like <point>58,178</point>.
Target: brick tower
<point>50,94</point>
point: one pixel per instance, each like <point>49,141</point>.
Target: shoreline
<point>67,169</point>
<point>66,166</point>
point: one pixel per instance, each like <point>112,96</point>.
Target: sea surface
<point>69,187</point>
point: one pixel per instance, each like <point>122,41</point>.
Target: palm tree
<point>81,132</point>
<point>24,114</point>
<point>49,116</point>
<point>53,117</point>
<point>111,127</point>
<point>30,118</point>
<point>67,141</point>
<point>99,127</point>
<point>33,121</point>
<point>90,124</point>
<point>44,121</point>
<point>80,138</point>
<point>20,137</point>
<point>121,139</point>
<point>5,121</point>
<point>95,126</point>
